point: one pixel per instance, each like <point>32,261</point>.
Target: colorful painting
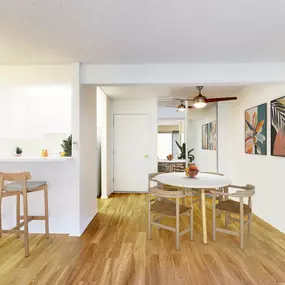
<point>256,130</point>
<point>205,136</point>
<point>278,127</point>
<point>212,136</point>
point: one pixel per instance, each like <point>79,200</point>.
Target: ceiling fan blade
<point>191,107</point>
<point>211,100</point>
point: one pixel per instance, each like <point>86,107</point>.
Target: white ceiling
<point>135,31</point>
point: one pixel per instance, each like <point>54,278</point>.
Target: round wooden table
<point>202,182</point>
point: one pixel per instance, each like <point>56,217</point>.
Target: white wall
<point>34,117</point>
<point>265,172</point>
<point>36,74</point>
<point>88,155</point>
<point>103,124</point>
<point>141,107</point>
<point>205,159</point>
<point>63,177</point>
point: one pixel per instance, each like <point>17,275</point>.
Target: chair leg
<point>26,222</point>
<point>177,225</point>
<point>241,224</point>
<point>191,224</point>
<point>18,207</point>
<point>214,216</point>
<point>149,218</point>
<point>0,219</point>
<point>249,224</point>
<point>46,211</point>
<point>227,220</point>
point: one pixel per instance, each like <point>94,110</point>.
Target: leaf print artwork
<point>278,127</point>
<point>256,130</point>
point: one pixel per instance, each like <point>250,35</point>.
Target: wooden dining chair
<point>234,207</point>
<point>164,207</point>
<point>17,186</point>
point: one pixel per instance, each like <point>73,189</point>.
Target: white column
<point>186,131</point>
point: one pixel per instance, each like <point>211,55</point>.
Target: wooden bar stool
<point>20,186</point>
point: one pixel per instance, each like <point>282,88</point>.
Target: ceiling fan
<point>200,101</point>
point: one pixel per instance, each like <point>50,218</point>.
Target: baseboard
<point>87,223</point>
<point>104,197</point>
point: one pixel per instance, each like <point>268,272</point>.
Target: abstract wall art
<point>256,130</point>
<point>212,136</point>
<point>278,127</point>
<point>205,136</point>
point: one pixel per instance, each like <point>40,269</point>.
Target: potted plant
<point>67,146</point>
<point>18,151</point>
<point>182,155</point>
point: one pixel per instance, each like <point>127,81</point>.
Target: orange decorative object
<point>192,170</point>
<point>170,157</point>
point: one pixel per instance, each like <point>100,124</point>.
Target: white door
<point>131,153</point>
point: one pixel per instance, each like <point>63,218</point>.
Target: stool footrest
<point>30,218</point>
<point>12,231</point>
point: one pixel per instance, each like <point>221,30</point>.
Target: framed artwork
<point>278,127</point>
<point>256,130</point>
<point>205,136</point>
<point>212,136</point>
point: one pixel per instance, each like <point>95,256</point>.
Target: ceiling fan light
<point>199,102</point>
<point>181,108</point>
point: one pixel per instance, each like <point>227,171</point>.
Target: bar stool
<point>20,186</point>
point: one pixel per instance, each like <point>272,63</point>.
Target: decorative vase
<point>192,170</point>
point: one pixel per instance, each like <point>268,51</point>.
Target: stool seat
<point>31,185</point>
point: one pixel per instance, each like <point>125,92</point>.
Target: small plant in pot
<point>182,155</point>
<point>67,146</point>
<point>18,151</point>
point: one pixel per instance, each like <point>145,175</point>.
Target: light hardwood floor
<point>114,250</point>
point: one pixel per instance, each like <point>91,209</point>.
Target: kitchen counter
<point>34,159</point>
<point>63,192</point>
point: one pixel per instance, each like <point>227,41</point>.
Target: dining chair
<point>164,207</point>
<point>17,186</point>
<point>234,207</point>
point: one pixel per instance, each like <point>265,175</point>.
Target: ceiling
<point>139,32</point>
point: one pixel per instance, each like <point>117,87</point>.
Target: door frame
<point>113,141</point>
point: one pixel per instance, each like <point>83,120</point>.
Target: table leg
<point>226,190</point>
<point>204,217</point>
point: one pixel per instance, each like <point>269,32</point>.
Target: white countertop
<point>34,159</point>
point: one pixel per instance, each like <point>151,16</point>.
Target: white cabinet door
<point>131,152</point>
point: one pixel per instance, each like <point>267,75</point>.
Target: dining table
<point>202,182</point>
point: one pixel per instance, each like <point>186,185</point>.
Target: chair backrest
<point>167,194</point>
<point>16,177</point>
<point>245,191</point>
<point>20,177</point>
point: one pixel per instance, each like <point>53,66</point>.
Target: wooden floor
<point>114,250</point>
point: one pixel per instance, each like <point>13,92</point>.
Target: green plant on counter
<point>182,155</point>
<point>18,150</point>
<point>67,146</point>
